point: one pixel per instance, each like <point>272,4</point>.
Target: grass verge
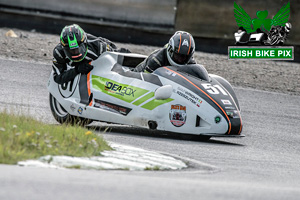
<point>23,138</point>
<point>155,168</point>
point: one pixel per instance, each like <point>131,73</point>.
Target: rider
<point>278,34</point>
<point>75,52</point>
<point>178,52</point>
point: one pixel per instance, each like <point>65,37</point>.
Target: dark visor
<point>180,59</point>
<point>76,53</point>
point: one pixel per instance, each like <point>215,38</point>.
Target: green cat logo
<point>261,22</point>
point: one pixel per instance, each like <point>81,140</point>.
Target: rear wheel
<point>63,117</point>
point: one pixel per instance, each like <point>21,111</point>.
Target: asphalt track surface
<point>262,165</point>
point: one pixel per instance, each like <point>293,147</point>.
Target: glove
<point>84,68</point>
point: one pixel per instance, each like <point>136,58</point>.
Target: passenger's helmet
<point>181,48</point>
<point>74,42</point>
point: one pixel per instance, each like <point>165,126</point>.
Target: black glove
<point>84,68</point>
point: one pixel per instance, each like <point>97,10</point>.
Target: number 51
<point>214,89</point>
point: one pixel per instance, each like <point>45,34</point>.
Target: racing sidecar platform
<point>184,100</point>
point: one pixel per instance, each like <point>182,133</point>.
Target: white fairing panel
<point>129,100</point>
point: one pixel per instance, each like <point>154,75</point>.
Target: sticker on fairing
<point>189,96</point>
<point>178,115</point>
<point>111,107</point>
<point>80,110</point>
<point>226,102</point>
<point>128,93</point>
<point>118,90</point>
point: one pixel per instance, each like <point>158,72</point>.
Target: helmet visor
<point>76,54</point>
<point>180,58</point>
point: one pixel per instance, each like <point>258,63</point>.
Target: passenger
<point>178,52</point>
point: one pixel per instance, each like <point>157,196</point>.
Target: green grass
<point>23,138</point>
<point>155,168</point>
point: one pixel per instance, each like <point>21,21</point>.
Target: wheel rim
<point>58,109</point>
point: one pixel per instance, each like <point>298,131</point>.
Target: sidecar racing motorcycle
<point>183,100</point>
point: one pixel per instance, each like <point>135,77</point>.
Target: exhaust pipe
<point>152,124</point>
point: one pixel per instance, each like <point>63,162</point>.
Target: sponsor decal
<point>121,91</point>
<point>111,107</point>
<point>130,94</point>
<point>177,115</point>
<point>80,110</point>
<point>72,107</point>
<point>170,73</point>
<point>229,107</point>
<point>189,96</point>
<point>262,31</point>
<point>226,102</point>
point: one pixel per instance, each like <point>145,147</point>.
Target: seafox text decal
<point>119,89</point>
<point>127,93</point>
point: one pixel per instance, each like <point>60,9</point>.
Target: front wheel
<point>63,117</point>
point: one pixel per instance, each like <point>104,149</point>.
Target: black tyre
<point>202,138</point>
<point>63,117</point>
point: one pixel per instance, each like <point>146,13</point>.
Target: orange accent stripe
<point>179,43</point>
<point>89,87</point>
<point>190,45</point>
<point>229,123</point>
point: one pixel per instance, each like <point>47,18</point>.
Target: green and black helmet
<point>74,42</point>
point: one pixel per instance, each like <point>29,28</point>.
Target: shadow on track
<point>125,130</point>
